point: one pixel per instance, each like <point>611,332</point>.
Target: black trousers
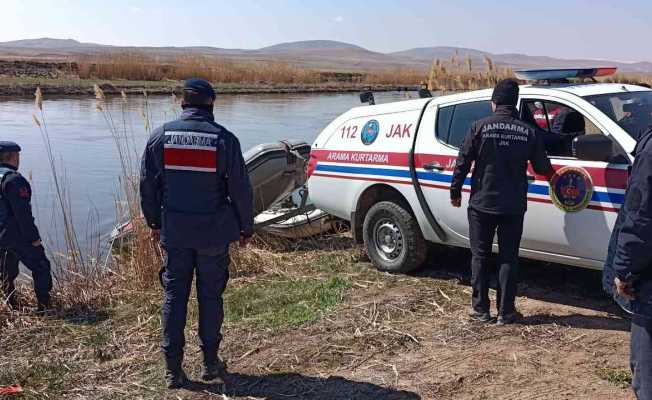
<point>641,357</point>
<point>482,229</point>
<point>36,261</point>
<point>212,269</point>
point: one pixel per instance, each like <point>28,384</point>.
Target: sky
<point>597,29</point>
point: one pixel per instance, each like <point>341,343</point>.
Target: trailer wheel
<point>393,238</point>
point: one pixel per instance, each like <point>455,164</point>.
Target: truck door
<point>575,213</point>
<point>441,133</point>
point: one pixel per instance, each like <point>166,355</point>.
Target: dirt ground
<point>389,337</point>
<point>408,337</point>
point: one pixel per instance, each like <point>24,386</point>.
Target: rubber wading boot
<point>43,305</point>
<point>213,370</point>
<point>175,378</point>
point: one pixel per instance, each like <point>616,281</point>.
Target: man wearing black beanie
<point>499,147</point>
<point>196,198</point>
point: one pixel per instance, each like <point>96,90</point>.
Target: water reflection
<point>86,151</point>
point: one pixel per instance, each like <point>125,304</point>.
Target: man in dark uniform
<point>627,273</point>
<point>637,118</point>
<point>19,236</point>
<point>195,188</point>
<point>500,146</point>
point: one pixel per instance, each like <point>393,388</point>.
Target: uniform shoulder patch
<point>24,192</point>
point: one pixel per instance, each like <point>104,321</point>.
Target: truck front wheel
<point>393,238</point>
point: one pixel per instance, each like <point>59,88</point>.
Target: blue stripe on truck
<point>603,197</point>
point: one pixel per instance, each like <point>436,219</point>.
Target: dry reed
<point>452,76</point>
<point>137,66</point>
<point>77,268</point>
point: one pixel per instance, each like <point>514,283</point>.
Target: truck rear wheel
<point>393,238</point>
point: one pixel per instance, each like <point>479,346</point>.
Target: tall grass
<point>77,269</point>
<point>138,66</point>
<point>135,66</point>
<point>629,78</point>
<point>459,72</point>
<point>136,263</point>
<point>442,76</point>
<point>453,75</point>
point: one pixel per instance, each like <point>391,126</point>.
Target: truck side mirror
<point>367,97</point>
<point>593,148</point>
<point>424,93</point>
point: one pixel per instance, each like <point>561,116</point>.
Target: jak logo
<point>370,132</point>
<point>571,189</point>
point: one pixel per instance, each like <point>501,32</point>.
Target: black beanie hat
<point>201,86</point>
<point>505,93</point>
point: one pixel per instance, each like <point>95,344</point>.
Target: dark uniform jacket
<point>630,249</point>
<point>500,146</point>
<point>194,184</point>
<point>16,219</point>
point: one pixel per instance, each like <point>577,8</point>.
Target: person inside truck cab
<point>632,111</point>
<point>636,117</point>
<point>557,125</point>
<point>568,125</point>
<point>499,147</point>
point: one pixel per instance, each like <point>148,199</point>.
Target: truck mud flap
<point>417,186</point>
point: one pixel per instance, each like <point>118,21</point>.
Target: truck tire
<point>393,238</point>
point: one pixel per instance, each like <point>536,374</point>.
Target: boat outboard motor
<point>276,170</point>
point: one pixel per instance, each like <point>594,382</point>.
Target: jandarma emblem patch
<point>571,189</point>
<point>370,132</point>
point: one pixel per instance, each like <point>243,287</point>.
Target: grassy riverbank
<point>314,320</point>
<point>136,73</point>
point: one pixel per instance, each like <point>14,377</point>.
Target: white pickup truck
<point>387,168</point>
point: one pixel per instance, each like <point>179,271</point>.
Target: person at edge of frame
<point>196,198</point>
<point>499,147</point>
<point>627,273</point>
<point>19,237</point>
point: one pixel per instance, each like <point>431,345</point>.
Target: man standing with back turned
<point>500,146</point>
<point>19,236</point>
<point>195,189</point>
<point>627,271</point>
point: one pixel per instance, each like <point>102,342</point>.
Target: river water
<point>86,152</point>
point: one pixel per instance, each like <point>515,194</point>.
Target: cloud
<point>338,19</point>
<point>135,10</point>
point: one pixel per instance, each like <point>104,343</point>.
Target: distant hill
<point>441,52</point>
<point>318,54</point>
<point>311,45</point>
<point>48,43</point>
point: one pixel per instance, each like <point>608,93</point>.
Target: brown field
<point>314,320</point>
<point>135,72</point>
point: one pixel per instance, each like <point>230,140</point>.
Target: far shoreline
<point>26,86</point>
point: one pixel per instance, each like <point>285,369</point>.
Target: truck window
<point>559,125</point>
<point>464,115</point>
<point>444,116</point>
<point>631,110</point>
